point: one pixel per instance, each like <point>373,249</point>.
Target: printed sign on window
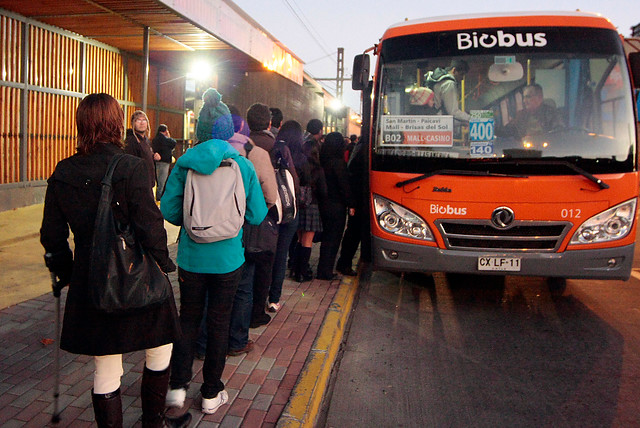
<point>428,131</point>
<point>481,125</point>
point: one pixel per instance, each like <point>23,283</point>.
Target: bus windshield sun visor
<point>456,172</point>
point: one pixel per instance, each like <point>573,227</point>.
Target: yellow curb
<point>304,404</point>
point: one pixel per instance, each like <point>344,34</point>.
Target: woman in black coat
<point>313,193</point>
<point>71,202</point>
<point>339,198</point>
<point>137,143</point>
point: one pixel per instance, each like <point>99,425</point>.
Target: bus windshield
<point>548,99</point>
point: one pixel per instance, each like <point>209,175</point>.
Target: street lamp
<point>336,105</point>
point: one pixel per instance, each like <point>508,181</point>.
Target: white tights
<point>108,372</point>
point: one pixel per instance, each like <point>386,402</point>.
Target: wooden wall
<point>52,133</point>
<point>62,69</point>
<point>11,71</point>
<point>9,134</point>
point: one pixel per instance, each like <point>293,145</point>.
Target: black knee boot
<point>302,274</point>
<point>107,409</point>
<point>153,393</point>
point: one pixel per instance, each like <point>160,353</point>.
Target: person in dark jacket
<point>310,220</point>
<point>535,118</point>
<point>276,120</point>
<point>163,145</point>
<point>291,134</point>
<point>353,235</point>
<point>137,144</point>
<point>253,288</point>
<point>314,131</point>
<point>259,120</point>
<point>71,202</point>
<point>312,139</point>
<point>351,144</point>
<point>339,198</point>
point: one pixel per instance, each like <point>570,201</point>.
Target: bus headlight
<point>614,223</point>
<point>398,220</point>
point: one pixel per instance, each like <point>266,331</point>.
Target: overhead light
<point>200,70</point>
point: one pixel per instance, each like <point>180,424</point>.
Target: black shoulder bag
<point>122,275</point>
<point>261,238</point>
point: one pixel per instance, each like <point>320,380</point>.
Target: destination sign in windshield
<point>428,131</point>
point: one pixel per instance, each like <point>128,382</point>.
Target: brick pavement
<point>259,383</point>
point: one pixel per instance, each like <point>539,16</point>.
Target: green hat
<point>214,120</point>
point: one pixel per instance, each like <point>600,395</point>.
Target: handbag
<point>261,238</point>
<point>122,275</point>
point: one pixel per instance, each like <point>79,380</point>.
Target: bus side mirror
<point>360,79</point>
<point>634,64</point>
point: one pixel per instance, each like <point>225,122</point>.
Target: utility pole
<point>335,116</point>
<point>340,74</point>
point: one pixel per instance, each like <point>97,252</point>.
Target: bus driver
<point>536,117</point>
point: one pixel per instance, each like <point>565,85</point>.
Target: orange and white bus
<point>484,189</point>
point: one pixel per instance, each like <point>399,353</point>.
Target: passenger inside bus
<point>537,117</point>
<point>445,88</point>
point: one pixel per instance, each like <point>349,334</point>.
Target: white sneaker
<point>273,307</point>
<point>210,405</point>
<point>176,397</point>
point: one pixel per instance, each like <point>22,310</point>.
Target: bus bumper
<point>585,264</point>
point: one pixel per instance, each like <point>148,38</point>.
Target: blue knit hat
<point>214,120</point>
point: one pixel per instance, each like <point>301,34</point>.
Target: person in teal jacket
<point>210,269</point>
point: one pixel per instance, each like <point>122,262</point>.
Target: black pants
<point>220,290</point>
<point>334,217</point>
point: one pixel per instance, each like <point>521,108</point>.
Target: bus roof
<point>497,20</point>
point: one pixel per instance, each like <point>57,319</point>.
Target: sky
<point>313,30</point>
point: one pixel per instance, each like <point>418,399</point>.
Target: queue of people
<point>227,285</point>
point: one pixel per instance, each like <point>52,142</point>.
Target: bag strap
<point>106,181</point>
<point>107,192</point>
<point>281,162</point>
<point>104,217</point>
<point>247,148</point>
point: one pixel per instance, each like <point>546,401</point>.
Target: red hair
<point>99,119</point>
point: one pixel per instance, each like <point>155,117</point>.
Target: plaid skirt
<point>310,219</point>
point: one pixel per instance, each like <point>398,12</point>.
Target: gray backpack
<point>214,205</point>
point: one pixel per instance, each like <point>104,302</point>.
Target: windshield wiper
<point>456,172</point>
<point>569,165</point>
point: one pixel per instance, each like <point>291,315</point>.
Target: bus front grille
<point>521,236</point>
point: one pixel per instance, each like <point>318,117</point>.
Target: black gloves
<point>169,267</point>
<point>60,263</point>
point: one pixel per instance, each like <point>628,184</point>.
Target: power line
<point>323,82</point>
<point>309,22</point>
<point>306,27</point>
<point>322,57</point>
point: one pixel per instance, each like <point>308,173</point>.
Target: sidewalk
<point>281,382</point>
